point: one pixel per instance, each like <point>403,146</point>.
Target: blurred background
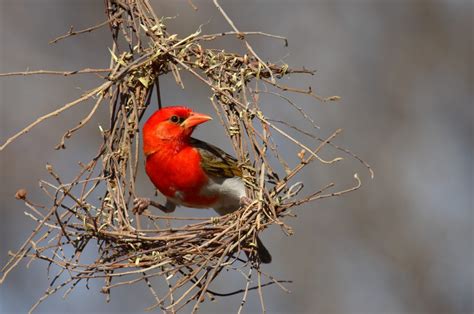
<point>404,70</point>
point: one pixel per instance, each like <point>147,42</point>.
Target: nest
<point>188,253</point>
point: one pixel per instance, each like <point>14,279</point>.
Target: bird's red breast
<point>178,175</point>
<point>172,163</point>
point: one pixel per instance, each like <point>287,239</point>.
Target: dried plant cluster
<point>177,258</point>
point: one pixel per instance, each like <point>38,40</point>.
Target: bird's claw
<point>140,204</point>
<point>245,201</point>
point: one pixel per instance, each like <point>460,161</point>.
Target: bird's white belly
<point>229,192</point>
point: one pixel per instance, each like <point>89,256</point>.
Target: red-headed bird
<point>188,171</point>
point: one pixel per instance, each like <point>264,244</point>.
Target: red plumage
<point>173,165</point>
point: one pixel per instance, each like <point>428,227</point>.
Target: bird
<point>190,172</point>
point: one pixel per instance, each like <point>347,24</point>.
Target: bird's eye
<point>174,119</point>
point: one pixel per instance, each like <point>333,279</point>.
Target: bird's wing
<point>215,161</point>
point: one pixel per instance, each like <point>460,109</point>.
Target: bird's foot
<point>140,204</point>
<point>245,201</point>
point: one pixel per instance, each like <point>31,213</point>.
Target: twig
<point>63,73</point>
<point>71,31</point>
<point>56,113</point>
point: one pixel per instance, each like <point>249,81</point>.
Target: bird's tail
<point>263,254</point>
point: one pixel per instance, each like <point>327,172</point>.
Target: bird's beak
<point>195,119</point>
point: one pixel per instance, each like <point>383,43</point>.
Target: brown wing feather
<point>215,161</point>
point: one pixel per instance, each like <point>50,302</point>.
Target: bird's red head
<point>170,125</point>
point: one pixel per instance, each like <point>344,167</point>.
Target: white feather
<point>229,192</point>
